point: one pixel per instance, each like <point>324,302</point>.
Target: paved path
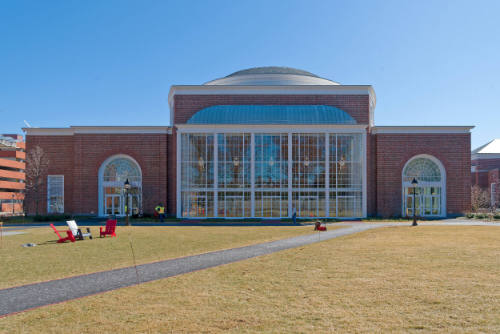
<point>7,233</point>
<point>30,296</point>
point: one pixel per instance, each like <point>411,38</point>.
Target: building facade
<point>12,174</point>
<point>485,170</point>
<point>263,143</point>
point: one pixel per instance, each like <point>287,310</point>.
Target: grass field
<point>49,260</point>
<point>399,279</point>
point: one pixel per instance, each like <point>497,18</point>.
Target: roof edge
<point>97,130</point>
<point>421,129</point>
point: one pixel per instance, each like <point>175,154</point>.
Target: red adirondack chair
<point>70,236</point>
<point>110,228</point>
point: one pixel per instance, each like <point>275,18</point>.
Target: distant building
<point>485,168</point>
<point>264,142</point>
<point>12,176</point>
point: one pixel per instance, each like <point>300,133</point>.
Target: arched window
<point>112,195</point>
<point>428,197</point>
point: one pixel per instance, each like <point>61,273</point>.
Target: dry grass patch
<point>49,260</point>
<point>400,279</point>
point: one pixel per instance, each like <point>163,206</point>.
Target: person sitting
<point>318,227</point>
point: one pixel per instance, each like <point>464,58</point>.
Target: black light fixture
<point>414,184</point>
<point>126,185</point>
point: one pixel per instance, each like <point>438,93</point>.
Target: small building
<point>12,175</point>
<point>485,170</point>
<point>264,142</point>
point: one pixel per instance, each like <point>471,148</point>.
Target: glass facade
<point>271,174</point>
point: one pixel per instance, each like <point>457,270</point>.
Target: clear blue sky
<point>109,62</point>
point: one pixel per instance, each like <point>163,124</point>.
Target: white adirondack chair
<point>77,232</point>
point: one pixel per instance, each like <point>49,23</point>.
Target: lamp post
<point>414,183</point>
<point>127,188</point>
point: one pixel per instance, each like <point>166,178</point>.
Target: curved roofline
<point>271,114</point>
<point>271,75</point>
<point>272,70</point>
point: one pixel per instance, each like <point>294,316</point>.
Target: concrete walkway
<point>30,296</point>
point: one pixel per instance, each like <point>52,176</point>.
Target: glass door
<point>308,206</point>
<point>426,202</point>
<point>113,205</point>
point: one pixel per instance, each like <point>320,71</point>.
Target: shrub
<point>481,216</point>
<point>49,218</point>
<point>480,198</point>
<point>470,215</point>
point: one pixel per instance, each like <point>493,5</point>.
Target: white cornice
<point>420,129</point>
<point>97,130</point>
<point>485,156</point>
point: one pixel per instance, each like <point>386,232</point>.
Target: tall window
<point>197,175</point>
<point>428,197</point>
<point>113,196</point>
<point>271,175</point>
<point>345,175</point>
<point>55,193</point>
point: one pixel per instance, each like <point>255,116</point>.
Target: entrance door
<point>271,205</point>
<point>198,206</point>
<point>308,206</point>
<point>113,205</point>
<point>234,207</point>
<point>426,202</point>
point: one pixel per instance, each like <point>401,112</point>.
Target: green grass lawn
<point>398,279</point>
<point>49,260</point>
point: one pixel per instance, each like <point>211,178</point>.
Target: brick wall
<point>79,158</point>
<point>186,106</point>
<point>394,150</point>
<point>486,164</point>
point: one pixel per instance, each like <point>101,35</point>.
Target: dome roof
<point>271,75</point>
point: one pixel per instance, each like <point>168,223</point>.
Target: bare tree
<point>37,165</point>
<point>480,198</point>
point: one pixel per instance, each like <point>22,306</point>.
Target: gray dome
<point>269,76</point>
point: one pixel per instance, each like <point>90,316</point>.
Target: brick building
<point>12,174</point>
<point>485,170</point>
<point>264,142</point>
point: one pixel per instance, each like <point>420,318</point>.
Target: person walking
<point>160,210</point>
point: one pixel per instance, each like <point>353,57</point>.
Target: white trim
<point>421,129</point>
<point>442,183</point>
<point>178,172</point>
<point>289,188</point>
<point>252,175</point>
<point>100,180</point>
<point>271,128</point>
<point>268,90</point>
<point>72,130</point>
<point>485,156</point>
<point>364,167</point>
<point>327,174</point>
<point>216,175</point>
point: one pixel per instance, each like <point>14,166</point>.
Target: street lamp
<point>414,184</point>
<point>127,188</point>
